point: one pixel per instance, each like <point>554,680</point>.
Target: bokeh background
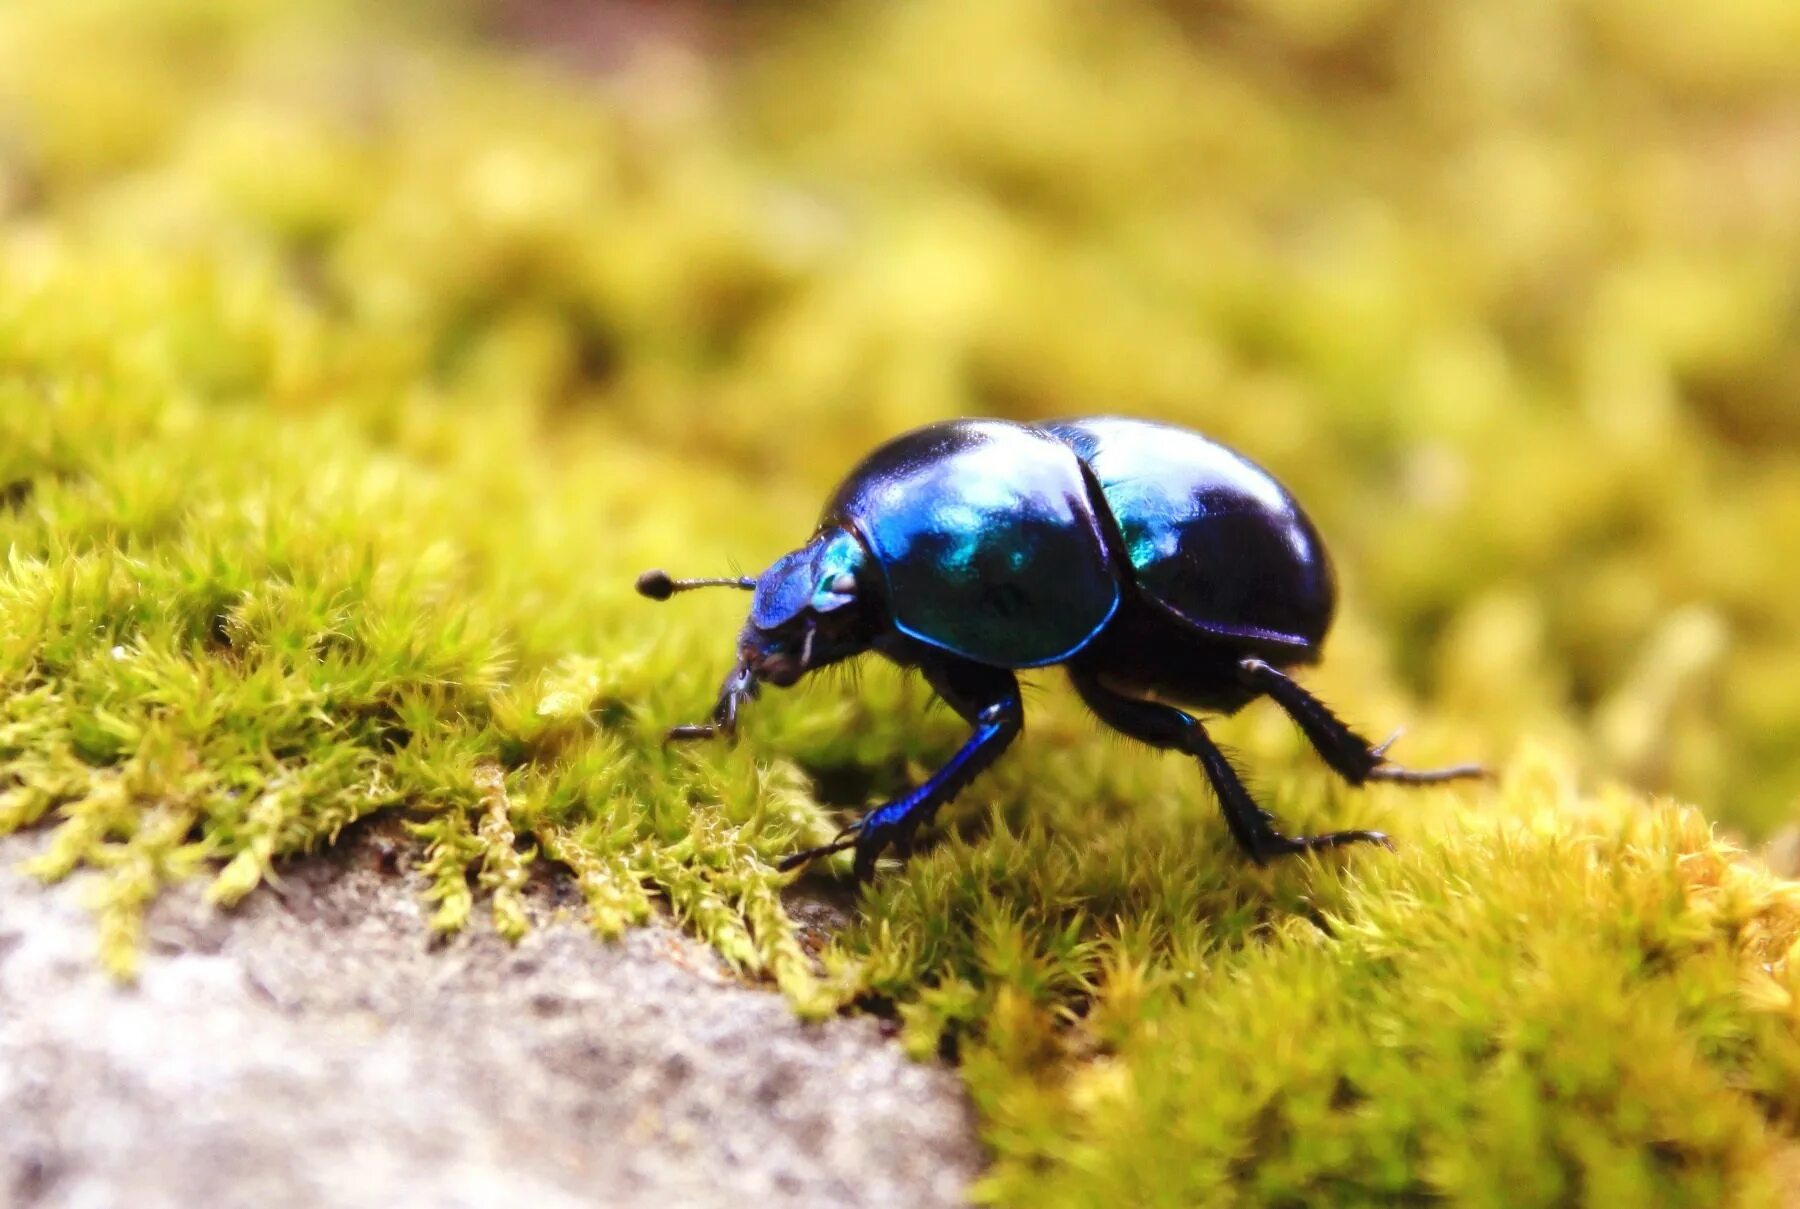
<point>382,344</point>
<point>1509,294</point>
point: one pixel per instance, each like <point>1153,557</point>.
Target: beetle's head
<point>813,608</point>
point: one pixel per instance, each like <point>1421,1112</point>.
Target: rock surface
<point>311,1048</point>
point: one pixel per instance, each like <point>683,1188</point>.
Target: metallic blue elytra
<point>1188,509</point>
<point>1159,568</point>
<point>987,540</point>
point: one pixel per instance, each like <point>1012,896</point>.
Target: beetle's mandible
<point>1149,561</point>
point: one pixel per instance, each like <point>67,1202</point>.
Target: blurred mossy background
<point>354,358</point>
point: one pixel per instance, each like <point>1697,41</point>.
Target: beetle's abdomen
<point>987,539</point>
<point>1210,535</point>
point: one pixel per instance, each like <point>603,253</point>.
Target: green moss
<point>348,375</point>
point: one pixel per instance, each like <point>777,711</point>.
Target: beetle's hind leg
<point>1353,757</point>
<point>1171,729</point>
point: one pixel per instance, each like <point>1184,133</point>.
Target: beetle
<point>1158,567</point>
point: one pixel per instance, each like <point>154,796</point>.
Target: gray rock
<point>312,1048</point>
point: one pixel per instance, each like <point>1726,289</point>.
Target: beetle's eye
<point>834,593</point>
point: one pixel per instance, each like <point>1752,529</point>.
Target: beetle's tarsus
<point>869,842</point>
<point>794,860</point>
<point>1396,775</point>
<point>848,836</point>
<point>1294,845</point>
<point>740,686</point>
<point>1349,754</point>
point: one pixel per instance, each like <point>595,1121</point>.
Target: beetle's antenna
<point>658,586</point>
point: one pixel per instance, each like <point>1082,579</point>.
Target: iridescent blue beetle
<point>1146,559</point>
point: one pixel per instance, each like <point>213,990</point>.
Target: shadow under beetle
<point>1145,558</point>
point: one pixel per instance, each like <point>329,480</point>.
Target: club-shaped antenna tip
<point>656,585</point>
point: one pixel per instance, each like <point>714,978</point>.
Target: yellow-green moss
<point>349,372</point>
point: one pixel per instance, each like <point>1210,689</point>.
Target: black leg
<point>1353,757</point>
<point>1166,727</point>
<point>740,686</point>
<point>988,698</point>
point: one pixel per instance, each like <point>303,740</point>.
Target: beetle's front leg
<point>989,699</point>
<point>740,686</point>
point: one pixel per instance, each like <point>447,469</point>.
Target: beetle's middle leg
<point>1352,757</point>
<point>988,698</point>
<point>1169,728</point>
